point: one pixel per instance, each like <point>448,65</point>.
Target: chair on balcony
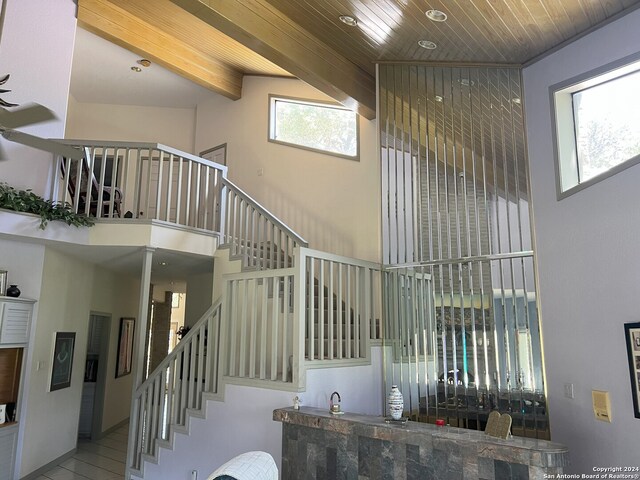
<point>81,185</point>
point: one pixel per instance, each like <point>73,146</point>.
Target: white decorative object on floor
<point>248,466</point>
<point>395,402</point>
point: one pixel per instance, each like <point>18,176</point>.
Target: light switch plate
<point>601,405</point>
<point>568,390</point>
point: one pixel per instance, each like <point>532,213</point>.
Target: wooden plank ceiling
<point>216,42</point>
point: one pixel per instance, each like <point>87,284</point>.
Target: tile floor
<point>100,460</point>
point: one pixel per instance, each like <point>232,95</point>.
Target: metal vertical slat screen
<point>459,290</point>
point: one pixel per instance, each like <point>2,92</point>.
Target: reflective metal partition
<point>462,330</point>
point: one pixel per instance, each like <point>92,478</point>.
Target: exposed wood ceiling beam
<point>259,26</point>
<point>125,29</point>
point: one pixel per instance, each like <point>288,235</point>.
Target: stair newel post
<point>138,359</point>
<point>299,372</point>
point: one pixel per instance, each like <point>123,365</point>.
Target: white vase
<point>395,402</point>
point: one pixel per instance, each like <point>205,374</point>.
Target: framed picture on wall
<point>124,359</point>
<point>62,363</point>
<point>632,339</point>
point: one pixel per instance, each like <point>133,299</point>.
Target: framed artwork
<point>63,347</point>
<point>3,282</point>
<point>125,346</point>
<point>632,339</point>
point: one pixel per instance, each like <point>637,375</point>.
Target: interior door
<point>92,403</point>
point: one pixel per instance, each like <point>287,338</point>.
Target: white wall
<point>199,296</point>
<point>118,296</point>
<point>51,426</point>
<point>332,202</point>
<point>37,49</point>
<point>589,267</point>
<point>243,422</point>
<point>174,127</point>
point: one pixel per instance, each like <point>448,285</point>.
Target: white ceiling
<point>169,269</point>
<point>101,73</point>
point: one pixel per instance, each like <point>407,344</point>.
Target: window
<point>317,126</point>
<point>597,125</point>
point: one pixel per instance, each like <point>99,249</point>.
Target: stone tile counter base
<point>318,445</point>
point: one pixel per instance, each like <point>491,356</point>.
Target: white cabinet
<point>8,443</point>
<point>15,320</point>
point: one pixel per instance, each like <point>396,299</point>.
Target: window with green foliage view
<point>316,126</point>
<point>597,125</point>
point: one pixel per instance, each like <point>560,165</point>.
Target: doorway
<point>95,376</point>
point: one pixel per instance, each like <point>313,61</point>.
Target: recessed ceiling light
<point>136,69</point>
<point>439,98</point>
<point>348,20</point>
<point>429,45</point>
<point>164,264</point>
<point>517,101</point>
<point>465,82</point>
<point>436,15</point>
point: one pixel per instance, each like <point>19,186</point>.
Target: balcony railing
<point>155,182</point>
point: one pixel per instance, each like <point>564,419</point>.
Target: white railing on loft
<point>155,182</point>
<point>342,306</point>
<point>177,385</point>
<point>141,180</point>
<point>255,233</point>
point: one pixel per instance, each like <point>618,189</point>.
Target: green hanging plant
<point>28,202</point>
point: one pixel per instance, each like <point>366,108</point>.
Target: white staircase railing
<point>342,305</point>
<point>255,233</point>
<point>260,328</point>
<point>161,403</point>
<point>267,329</point>
<point>324,311</point>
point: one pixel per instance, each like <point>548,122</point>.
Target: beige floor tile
<point>115,444</point>
<point>59,473</point>
<point>87,470</point>
<point>100,461</point>
<point>103,451</point>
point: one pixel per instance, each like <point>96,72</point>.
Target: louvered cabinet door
<point>15,321</point>
<point>8,440</point>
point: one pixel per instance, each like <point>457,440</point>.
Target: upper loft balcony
<point>149,194</point>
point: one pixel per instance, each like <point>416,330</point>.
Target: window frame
<point>273,98</point>
<point>563,129</point>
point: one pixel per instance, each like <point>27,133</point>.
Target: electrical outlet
<point>568,390</point>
